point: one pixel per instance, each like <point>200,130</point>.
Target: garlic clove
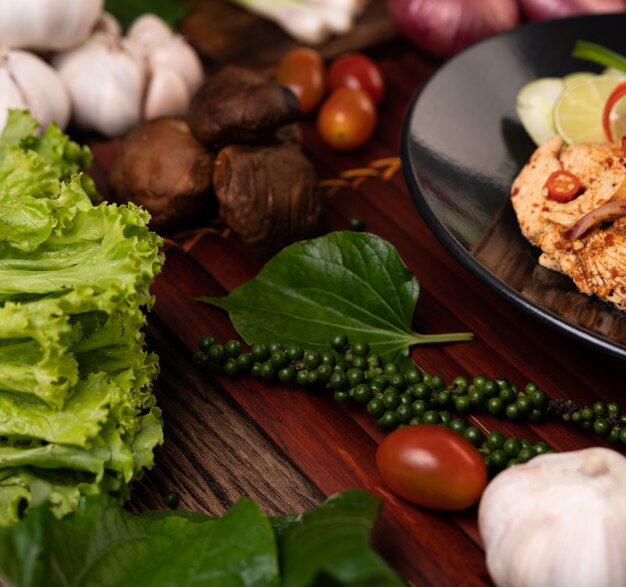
<point>106,80</point>
<point>150,32</point>
<point>45,25</point>
<point>10,96</point>
<point>41,88</point>
<point>178,55</point>
<point>109,25</point>
<point>167,95</point>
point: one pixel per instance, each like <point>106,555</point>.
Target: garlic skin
<point>149,31</point>
<point>47,25</point>
<point>106,78</point>
<point>28,82</point>
<point>557,521</point>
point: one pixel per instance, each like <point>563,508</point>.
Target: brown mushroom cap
<point>268,194</point>
<point>161,166</point>
<point>240,105</point>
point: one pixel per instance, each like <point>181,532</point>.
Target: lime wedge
<point>578,110</point>
<point>535,105</point>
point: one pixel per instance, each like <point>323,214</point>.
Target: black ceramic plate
<point>462,147</point>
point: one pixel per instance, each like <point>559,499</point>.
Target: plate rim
<point>457,250</point>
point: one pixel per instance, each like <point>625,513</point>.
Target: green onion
<point>599,54</point>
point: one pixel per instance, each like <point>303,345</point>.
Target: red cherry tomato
<point>303,72</point>
<point>359,72</point>
<point>562,186</point>
<point>432,466</point>
<point>346,119</point>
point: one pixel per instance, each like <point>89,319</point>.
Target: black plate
<point>463,145</point>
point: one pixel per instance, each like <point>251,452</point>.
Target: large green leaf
<point>102,544</point>
<point>349,282</point>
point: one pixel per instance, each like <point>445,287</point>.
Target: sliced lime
<point>578,110</point>
<point>534,106</point>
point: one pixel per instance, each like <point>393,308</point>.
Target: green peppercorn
<point>389,420</point>
<point>477,397</point>
<point>341,396</point>
<point>302,377</point>
<point>216,353</point>
<point>275,346</point>
<point>171,499</point>
<point>404,413</point>
<point>431,417</point>
<point>437,383</point>
<point>287,374</point>
<point>499,459</point>
<point>413,376</point>
<point>445,418</point>
<point>525,454</point>
<point>479,381</point>
<point>614,410</point>
<point>599,409</point>
<point>512,412</point>
<point>312,377</point>
<point>512,446</point>
<point>420,391</point>
<point>474,435</point>
<point>324,372</point>
<point>458,425</point>
<point>391,398</point>
<point>495,406</point>
<point>462,404</point>
<point>356,224</point>
<point>419,407</point>
<point>260,352</point>
<point>460,382</point>
<point>255,370</point>
<point>601,426</point>
<point>539,398</point>
<point>201,359</point>
<point>279,359</point>
<point>245,361</point>
<point>232,348</point>
<point>311,359</point>
<point>355,376</point>
<point>391,368</point>
<point>362,393</point>
<point>376,407</point>
<point>230,367</point>
<point>268,371</point>
<point>541,447</point>
<point>524,404</point>
<point>507,395</point>
<point>295,352</point>
<point>205,343</point>
<point>494,440</point>
<point>339,342</point>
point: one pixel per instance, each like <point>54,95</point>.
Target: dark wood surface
<point>288,448</point>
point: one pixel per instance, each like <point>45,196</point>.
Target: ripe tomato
<point>359,72</point>
<point>346,119</point>
<point>303,72</point>
<point>432,466</point>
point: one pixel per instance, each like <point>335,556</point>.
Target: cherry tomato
<point>347,119</point>
<point>562,186</point>
<point>432,466</point>
<point>359,72</point>
<point>303,72</point>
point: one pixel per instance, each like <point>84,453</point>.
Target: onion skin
<point>548,9</point>
<point>445,27</point>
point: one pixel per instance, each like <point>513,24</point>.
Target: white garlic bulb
<point>116,81</point>
<point>106,78</point>
<point>28,82</point>
<point>557,521</point>
<point>47,25</point>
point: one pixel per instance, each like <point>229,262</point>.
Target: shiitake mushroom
<point>160,165</point>
<point>268,194</point>
<point>240,105</point>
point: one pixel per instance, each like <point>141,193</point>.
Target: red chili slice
<point>562,186</point>
<point>616,95</point>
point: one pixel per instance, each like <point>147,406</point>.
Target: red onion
<point>443,27</point>
<point>547,9</point>
<point>604,213</point>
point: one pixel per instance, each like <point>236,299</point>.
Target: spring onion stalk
<point>308,21</point>
<point>599,54</point>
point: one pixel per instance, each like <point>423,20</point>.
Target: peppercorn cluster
<point>397,395</point>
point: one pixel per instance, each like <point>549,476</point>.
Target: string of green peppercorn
<point>411,396</point>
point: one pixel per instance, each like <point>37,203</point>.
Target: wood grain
<point>289,448</point>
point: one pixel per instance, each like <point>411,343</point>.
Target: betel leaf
<point>330,544</point>
<point>171,11</point>
<point>102,544</point>
<point>344,282</point>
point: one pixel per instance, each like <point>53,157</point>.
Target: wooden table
<point>288,448</point>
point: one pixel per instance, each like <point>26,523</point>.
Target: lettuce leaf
<point>77,413</point>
